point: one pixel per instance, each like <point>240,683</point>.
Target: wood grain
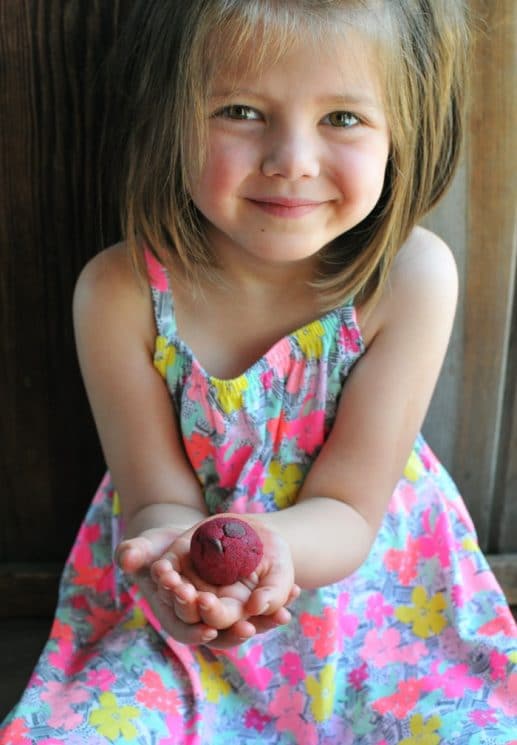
<point>52,103</point>
<point>490,280</point>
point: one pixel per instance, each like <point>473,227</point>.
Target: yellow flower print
<point>137,621</point>
<point>115,509</point>
<point>214,684</point>
<point>284,482</point>
<point>229,393</point>
<point>322,693</point>
<point>426,613</point>
<point>469,544</point>
<point>423,733</point>
<point>164,355</point>
<point>112,720</point>
<point>414,468</point>
<point>309,339</point>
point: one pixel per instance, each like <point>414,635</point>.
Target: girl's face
<point>296,156</point>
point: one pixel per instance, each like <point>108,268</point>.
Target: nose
<point>291,154</point>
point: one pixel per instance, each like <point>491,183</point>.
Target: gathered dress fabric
<point>418,646</point>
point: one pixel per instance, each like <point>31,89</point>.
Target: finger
<point>187,610</point>
<point>233,637</point>
<point>132,555</point>
<point>221,613</point>
<point>164,573</point>
<point>274,592</point>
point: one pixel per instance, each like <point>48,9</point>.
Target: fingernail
<point>209,636</point>
<point>180,601</point>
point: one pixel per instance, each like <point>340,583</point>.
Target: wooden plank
<point>504,566</point>
<point>449,221</point>
<point>505,512</point>
<point>29,590</point>
<point>492,164</point>
<point>52,104</point>
<point>21,642</point>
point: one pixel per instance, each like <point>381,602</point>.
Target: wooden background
<point>53,99</point>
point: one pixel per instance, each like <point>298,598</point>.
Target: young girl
<point>279,155</point>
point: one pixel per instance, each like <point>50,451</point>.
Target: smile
<point>285,207</point>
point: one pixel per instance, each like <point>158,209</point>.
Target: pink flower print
<point>404,498</point>
<point>277,430</point>
<point>254,478</point>
<point>61,630</point>
<point>255,720</point>
<point>348,622</point>
<point>350,338</point>
<point>498,665</point>
<point>101,621</point>
<point>504,697</point>
<point>242,505</point>
<point>483,717</point>
<point>267,379</point>
<point>324,630</point>
<point>377,610</point>
<point>102,679</point>
<point>199,448</point>
<point>402,701</point>
<point>292,668</point>
<point>288,707</point>
<point>404,561</point>
<point>14,733</point>
<point>155,272</point>
<point>437,542</point>
<point>229,464</point>
<point>154,695</point>
<point>305,733</point>
<point>429,459</point>
<point>175,727</point>
<point>60,699</point>
<point>85,572</point>
<point>309,431</point>
<point>473,580</point>
<point>382,648</point>
<point>503,623</point>
<point>358,675</point>
<point>453,682</point>
<point>458,596</point>
<point>61,657</point>
<point>248,666</point>
<point>296,379</point>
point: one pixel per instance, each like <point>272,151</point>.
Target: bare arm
<point>115,335</point>
<point>383,405</point>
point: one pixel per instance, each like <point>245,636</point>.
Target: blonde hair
<point>170,52</point>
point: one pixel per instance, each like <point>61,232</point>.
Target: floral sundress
<point>417,647</point>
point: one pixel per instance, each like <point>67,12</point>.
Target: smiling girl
<point>265,342</point>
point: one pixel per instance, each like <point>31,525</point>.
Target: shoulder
<point>422,286</point>
<point>110,294</point>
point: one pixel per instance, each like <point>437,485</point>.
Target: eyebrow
<point>340,100</point>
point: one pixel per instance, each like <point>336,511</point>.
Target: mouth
<point>286,207</point>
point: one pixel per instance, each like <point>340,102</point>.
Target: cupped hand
<point>265,593</point>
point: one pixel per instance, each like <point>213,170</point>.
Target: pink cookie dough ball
<point>224,549</point>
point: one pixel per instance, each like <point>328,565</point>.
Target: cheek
<point>360,174</point>
<point>227,166</point>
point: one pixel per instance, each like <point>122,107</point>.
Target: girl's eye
<point>239,112</point>
<point>342,119</point>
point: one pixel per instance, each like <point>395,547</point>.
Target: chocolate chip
<point>216,543</point>
<point>234,530</point>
